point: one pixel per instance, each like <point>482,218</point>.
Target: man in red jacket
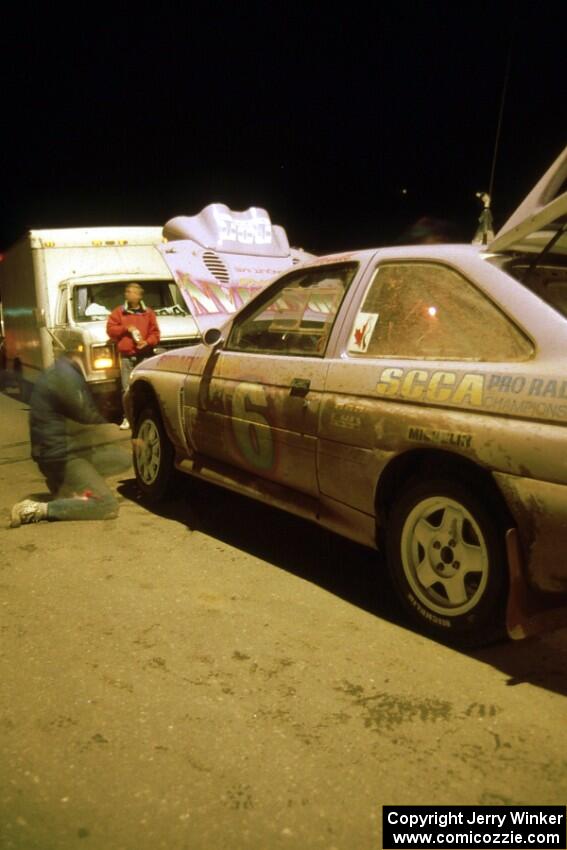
<point>134,327</point>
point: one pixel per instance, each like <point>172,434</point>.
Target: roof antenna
<point>485,230</point>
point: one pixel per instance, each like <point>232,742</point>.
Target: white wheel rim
<point>148,452</point>
<point>444,556</point>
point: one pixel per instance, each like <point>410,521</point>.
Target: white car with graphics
<point>221,258</point>
<point>409,398</point>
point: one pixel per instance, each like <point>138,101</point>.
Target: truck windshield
<point>95,301</point>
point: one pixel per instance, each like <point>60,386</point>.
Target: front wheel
<point>153,456</point>
<point>446,555</point>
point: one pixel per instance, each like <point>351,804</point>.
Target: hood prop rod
<point>539,258</point>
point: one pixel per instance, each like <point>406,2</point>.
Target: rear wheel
<point>153,456</point>
<point>447,558</point>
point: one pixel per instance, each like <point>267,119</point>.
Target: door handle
<point>300,387</point>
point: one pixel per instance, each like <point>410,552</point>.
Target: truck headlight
<point>102,356</point>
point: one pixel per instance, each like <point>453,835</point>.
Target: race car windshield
<point>299,316</point>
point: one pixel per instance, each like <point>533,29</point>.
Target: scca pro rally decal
<point>420,385</point>
<point>541,397</point>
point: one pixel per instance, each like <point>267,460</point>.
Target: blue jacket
<point>60,397</point>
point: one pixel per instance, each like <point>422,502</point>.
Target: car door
<point>256,403</point>
<point>416,368</point>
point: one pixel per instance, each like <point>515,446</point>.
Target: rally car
<point>412,399</point>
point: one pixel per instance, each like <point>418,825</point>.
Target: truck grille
<point>216,266</point>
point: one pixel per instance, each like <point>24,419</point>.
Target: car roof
<point>439,251</point>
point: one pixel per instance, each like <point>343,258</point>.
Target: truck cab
<point>59,287</point>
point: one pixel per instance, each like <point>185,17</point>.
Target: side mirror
<point>212,337</point>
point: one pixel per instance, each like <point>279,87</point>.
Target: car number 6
<point>251,429</point>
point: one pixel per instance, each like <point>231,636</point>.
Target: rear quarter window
<point>427,310</point>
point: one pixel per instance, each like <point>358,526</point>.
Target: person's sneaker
<point>27,511</point>
<point>124,425</point>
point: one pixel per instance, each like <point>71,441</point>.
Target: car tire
<point>447,558</point>
<point>153,457</point>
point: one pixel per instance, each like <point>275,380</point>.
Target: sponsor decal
<point>438,386</point>
<point>545,388</point>
<point>442,438</point>
<point>526,396</point>
<point>525,407</point>
<point>250,426</point>
<point>253,274</point>
<point>520,395</point>
<point>362,332</point>
<point>347,415</point>
<point>173,360</point>
<point>433,618</point>
<point>207,297</point>
<point>256,230</point>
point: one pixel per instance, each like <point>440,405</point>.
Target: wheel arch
<point>164,479</point>
<point>142,394</point>
<point>434,463</point>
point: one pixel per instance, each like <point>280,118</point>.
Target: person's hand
<point>142,344</point>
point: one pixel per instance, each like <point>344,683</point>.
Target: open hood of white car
<point>539,217</point>
<point>220,258</point>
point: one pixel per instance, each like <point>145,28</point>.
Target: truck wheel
<point>153,457</point>
<point>446,555</point>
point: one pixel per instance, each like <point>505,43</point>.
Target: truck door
<point>63,337</point>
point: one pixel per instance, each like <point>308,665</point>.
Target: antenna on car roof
<point>485,230</point>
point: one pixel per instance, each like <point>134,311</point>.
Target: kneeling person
<point>73,468</point>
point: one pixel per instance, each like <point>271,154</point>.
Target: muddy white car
<point>411,398</point>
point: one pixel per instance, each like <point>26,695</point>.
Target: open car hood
<point>539,217</point>
<point>221,258</point>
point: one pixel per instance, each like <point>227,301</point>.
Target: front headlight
<point>102,356</point>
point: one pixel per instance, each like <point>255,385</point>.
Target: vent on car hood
<point>216,266</point>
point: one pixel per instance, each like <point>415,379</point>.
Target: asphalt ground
<point>218,674</point>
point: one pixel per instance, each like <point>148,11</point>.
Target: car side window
<point>427,310</point>
<point>298,316</point>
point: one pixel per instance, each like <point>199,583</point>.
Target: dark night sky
<point>127,117</point>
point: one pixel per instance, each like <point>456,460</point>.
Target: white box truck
<point>50,278</point>
<point>57,287</point>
